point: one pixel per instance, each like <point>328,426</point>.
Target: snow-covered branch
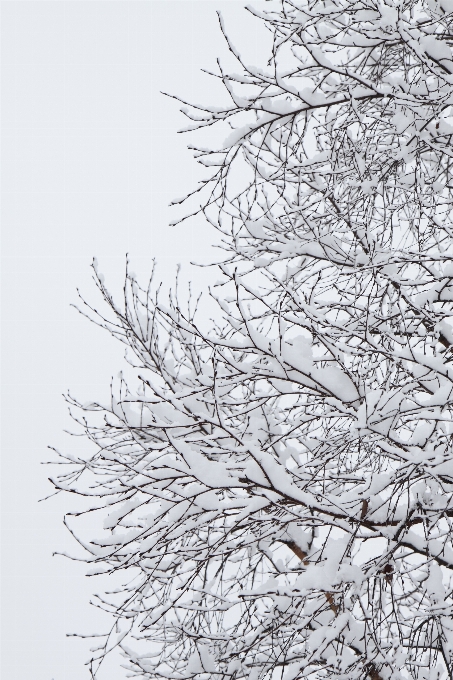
<point>279,481</point>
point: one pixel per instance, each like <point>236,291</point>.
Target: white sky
<point>91,160</point>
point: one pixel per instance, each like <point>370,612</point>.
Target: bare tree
<point>279,480</point>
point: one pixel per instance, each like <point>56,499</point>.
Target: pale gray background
<point>91,160</point>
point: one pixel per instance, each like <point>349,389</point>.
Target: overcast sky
<point>91,160</point>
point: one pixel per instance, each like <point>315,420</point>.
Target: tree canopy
<point>278,482</point>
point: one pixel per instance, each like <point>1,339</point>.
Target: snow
<point>301,430</point>
<point>438,49</point>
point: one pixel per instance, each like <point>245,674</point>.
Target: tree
<point>279,480</point>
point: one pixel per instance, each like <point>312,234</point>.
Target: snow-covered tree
<point>278,483</point>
